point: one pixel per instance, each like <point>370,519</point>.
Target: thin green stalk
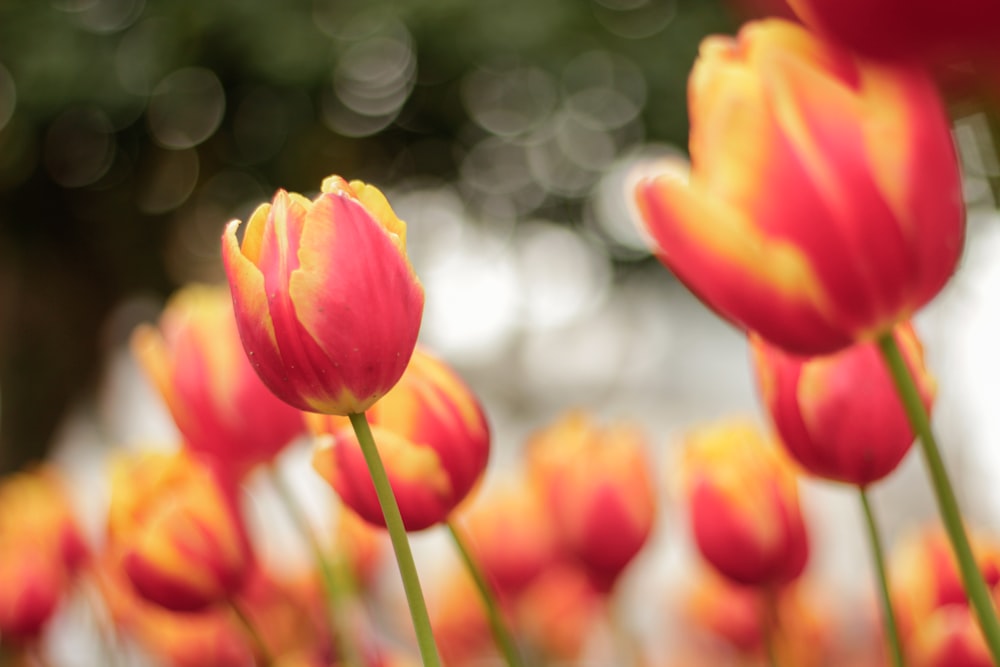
<point>251,629</point>
<point>335,587</point>
<point>951,516</point>
<point>769,628</point>
<point>501,633</point>
<point>400,543</point>
<point>889,616</point>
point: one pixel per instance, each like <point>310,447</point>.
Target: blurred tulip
<point>222,409</point>
<point>743,504</point>
<point>558,612</point>
<point>461,628</point>
<point>947,37</point>
<point>358,545</point>
<point>839,416</point>
<point>326,301</point>
<point>939,628</point>
<point>432,436</point>
<point>41,548</point>
<point>597,486</point>
<point>176,531</point>
<point>800,220</point>
<point>511,536</point>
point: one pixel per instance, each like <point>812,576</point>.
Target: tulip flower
<point>939,627</point>
<point>559,611</point>
<point>176,531</point>
<point>222,409</point>
<point>598,489</point>
<point>431,433</point>
<point>326,301</point>
<point>824,201</point>
<point>41,548</point>
<point>743,505</point>
<point>839,416</point>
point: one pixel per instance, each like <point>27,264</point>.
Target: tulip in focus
<point>839,416</point>
<point>596,483</point>
<point>938,626</point>
<point>326,301</point>
<point>824,202</point>
<point>41,548</point>
<point>743,505</point>
<point>432,436</point>
<point>176,531</point>
<point>222,409</point>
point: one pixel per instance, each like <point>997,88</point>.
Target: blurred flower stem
<point>501,633</point>
<point>951,516</point>
<point>334,578</point>
<point>400,543</point>
<point>889,616</point>
<point>769,625</point>
<point>251,630</point>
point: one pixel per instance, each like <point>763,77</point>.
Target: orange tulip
<point>558,612</point>
<point>222,409</point>
<point>176,531</point>
<point>326,301</point>
<point>839,416</point>
<point>599,492</point>
<point>824,202</point>
<point>41,548</point>
<point>744,506</point>
<point>433,438</point>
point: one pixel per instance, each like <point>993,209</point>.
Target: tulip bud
<point>326,301</point>
<point>599,492</point>
<point>222,409</point>
<point>800,221</point>
<point>839,416</point>
<point>176,531</point>
<point>432,436</point>
<point>744,505</point>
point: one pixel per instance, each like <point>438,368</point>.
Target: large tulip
<point>327,303</point>
<point>824,202</point>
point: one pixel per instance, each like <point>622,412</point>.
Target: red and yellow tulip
<point>222,409</point>
<point>175,531</point>
<point>743,503</point>
<point>433,438</point>
<point>598,488</point>
<point>839,416</point>
<point>326,301</point>
<point>824,202</point>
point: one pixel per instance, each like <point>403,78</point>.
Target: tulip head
<point>824,201</point>
<point>222,409</point>
<point>744,506</point>
<point>326,301</point>
<point>176,531</point>
<point>598,488</point>
<point>433,439</point>
<point>839,416</point>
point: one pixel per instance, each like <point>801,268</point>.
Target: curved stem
<point>335,587</point>
<point>951,516</point>
<point>251,629</point>
<point>889,616</point>
<point>501,633</point>
<point>400,543</point>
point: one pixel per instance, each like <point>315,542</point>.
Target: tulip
<point>824,201</point>
<point>176,531</point>
<point>222,409</point>
<point>597,486</point>
<point>839,416</point>
<point>431,433</point>
<point>559,611</point>
<point>744,506</point>
<point>326,301</point>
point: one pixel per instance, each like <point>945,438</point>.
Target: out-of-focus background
<point>503,132</point>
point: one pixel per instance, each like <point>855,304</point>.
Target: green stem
<point>400,543</point>
<point>770,625</point>
<point>891,629</point>
<point>251,629</point>
<point>951,516</point>
<point>501,633</point>
<point>335,586</point>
